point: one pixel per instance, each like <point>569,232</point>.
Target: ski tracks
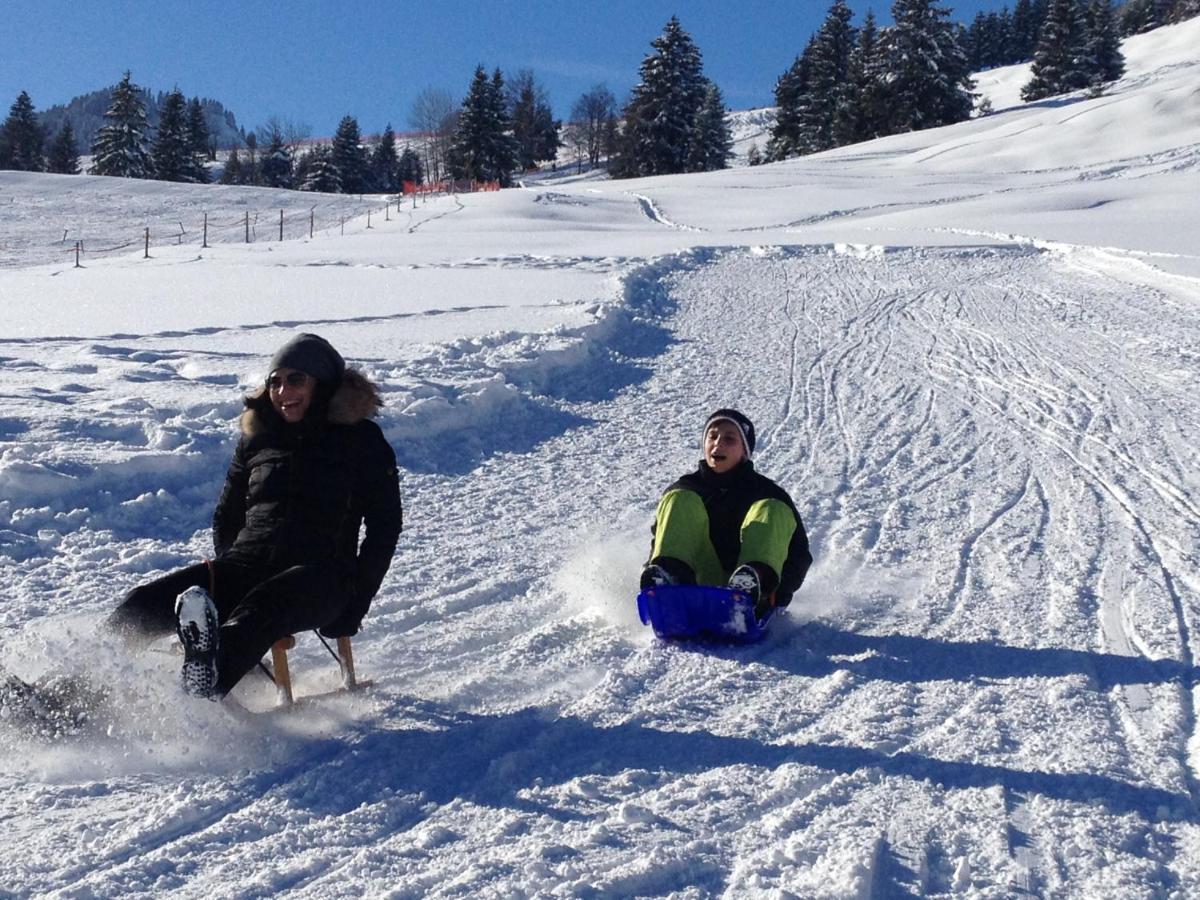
<point>977,441</point>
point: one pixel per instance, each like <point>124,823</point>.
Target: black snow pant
<point>256,606</point>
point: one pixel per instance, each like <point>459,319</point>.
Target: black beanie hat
<point>744,425</point>
<point>312,355</point>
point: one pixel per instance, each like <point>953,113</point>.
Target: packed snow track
<point>987,684</point>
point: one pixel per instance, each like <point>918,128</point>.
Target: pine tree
<point>661,114</point>
<point>928,80</point>
<point>120,145</point>
<point>22,138</point>
<point>197,141</point>
<point>482,148</point>
<point>791,91</point>
<point>754,156</point>
<point>63,157</point>
<point>171,154</point>
<point>711,141</point>
<point>409,168</point>
<point>322,174</point>
<point>232,173</point>
<point>1060,62</point>
<point>860,113</point>
<point>349,158</point>
<point>533,125</point>
<point>1103,43</point>
<point>1025,27</point>
<point>276,166</point>
<point>385,162</point>
<point>251,173</point>
<point>828,78</point>
<point>1181,10</point>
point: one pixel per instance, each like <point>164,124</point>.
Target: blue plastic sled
<point>698,611</point>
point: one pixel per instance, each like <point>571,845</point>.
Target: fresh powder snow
<point>973,358</point>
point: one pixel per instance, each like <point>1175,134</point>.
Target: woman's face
<point>291,393</point>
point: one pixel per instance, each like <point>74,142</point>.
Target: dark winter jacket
<point>298,494</point>
<point>727,498</point>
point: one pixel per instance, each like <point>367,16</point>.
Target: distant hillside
<point>86,115</point>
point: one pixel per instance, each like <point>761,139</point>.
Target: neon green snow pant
<point>681,531</point>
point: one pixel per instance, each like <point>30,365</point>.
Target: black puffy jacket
<point>727,497</point>
<point>299,494</point>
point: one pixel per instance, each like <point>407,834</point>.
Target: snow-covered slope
<point>973,359</point>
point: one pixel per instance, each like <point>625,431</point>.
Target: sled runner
<point>678,611</point>
<point>281,673</point>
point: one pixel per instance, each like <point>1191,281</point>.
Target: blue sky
<point>314,61</point>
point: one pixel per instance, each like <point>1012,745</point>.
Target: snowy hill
<point>973,358</point>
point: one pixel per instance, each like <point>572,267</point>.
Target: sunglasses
<point>292,379</point>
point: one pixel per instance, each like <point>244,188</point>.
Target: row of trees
<point>1137,16</point>
<point>1078,47</point>
<point>853,84</point>
<point>23,143</point>
<point>1004,38</point>
<point>849,84</point>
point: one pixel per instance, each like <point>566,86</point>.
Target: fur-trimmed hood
<point>355,398</point>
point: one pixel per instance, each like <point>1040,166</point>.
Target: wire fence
<point>96,226</point>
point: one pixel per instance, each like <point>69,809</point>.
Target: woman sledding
<point>309,470</point>
<point>727,524</point>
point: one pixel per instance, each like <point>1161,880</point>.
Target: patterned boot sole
<point>198,634</point>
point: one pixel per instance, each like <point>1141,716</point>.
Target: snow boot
<point>664,570</point>
<point>745,579</point>
<point>198,632</point>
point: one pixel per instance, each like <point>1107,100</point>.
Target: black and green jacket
<point>727,499</point>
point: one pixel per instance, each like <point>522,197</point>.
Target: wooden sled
<point>281,673</point>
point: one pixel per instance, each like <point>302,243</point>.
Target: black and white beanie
<point>744,426</point>
<point>312,355</point>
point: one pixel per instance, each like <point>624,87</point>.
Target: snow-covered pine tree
<point>1060,62</point>
<point>63,156</point>
<point>321,172</point>
<point>791,92</point>
<point>120,145</point>
<point>1103,43</point>
<point>711,141</point>
<point>1026,23</point>
<point>197,139</point>
<point>482,148</point>
<point>275,170</point>
<point>662,110</point>
<point>828,78</point>
<point>1139,16</point>
<point>171,152</point>
<point>928,81</point>
<point>349,158</point>
<point>21,138</point>
<point>1182,10</point>
<point>385,162</point>
<point>859,114</point>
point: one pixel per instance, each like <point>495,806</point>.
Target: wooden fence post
<point>204,243</point>
<point>312,215</point>
<point>77,265</point>
<point>281,224</point>
<point>147,256</point>
<point>247,226</point>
